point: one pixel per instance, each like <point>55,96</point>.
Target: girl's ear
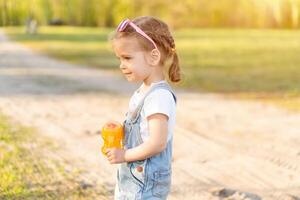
<point>154,57</point>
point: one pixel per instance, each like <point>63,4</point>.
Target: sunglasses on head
<point>127,22</point>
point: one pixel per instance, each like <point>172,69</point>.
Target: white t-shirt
<point>158,101</point>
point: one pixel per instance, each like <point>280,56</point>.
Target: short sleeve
<point>159,101</point>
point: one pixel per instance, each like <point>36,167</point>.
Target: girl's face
<point>133,59</point>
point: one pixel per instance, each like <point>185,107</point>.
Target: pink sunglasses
<point>127,22</point>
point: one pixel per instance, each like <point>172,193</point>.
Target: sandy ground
<point>223,149</point>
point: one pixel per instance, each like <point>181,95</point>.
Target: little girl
<point>146,50</point>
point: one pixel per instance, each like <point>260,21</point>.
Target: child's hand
<point>115,155</point>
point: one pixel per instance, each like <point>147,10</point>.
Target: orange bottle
<point>112,134</point>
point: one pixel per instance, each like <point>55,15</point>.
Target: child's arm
<point>157,141</point>
<point>158,130</point>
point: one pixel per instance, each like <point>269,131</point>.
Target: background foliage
<point>189,13</point>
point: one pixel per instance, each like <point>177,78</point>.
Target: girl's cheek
<point>130,66</point>
<point>125,61</point>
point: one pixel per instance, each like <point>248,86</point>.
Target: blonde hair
<point>159,32</point>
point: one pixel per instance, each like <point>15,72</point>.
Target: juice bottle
<point>112,134</point>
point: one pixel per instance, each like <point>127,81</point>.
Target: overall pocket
<point>126,182</point>
<point>137,170</point>
<point>161,183</point>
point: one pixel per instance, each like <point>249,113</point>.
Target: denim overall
<point>144,179</point>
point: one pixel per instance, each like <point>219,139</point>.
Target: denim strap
<point>134,116</point>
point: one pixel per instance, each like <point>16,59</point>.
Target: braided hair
<point>159,32</point>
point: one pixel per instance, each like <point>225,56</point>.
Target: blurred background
<point>179,14</point>
<point>247,48</point>
<point>238,108</point>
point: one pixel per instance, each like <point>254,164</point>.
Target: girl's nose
<point>122,66</point>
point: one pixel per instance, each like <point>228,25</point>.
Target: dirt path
<point>222,148</point>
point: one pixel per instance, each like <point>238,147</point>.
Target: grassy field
<point>257,64</point>
<point>28,171</point>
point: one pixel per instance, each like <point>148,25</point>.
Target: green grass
<point>290,102</point>
<point>228,61</point>
<point>86,46</point>
<point>241,60</point>
<point>28,171</point>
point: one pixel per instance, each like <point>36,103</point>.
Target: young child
<point>146,50</point>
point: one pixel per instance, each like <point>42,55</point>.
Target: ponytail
<point>174,70</point>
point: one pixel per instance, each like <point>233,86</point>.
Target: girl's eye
<point>127,58</point>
